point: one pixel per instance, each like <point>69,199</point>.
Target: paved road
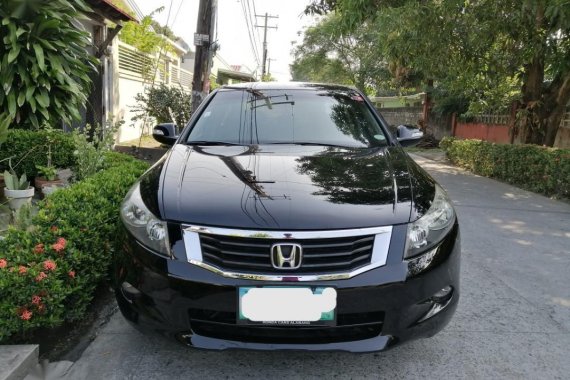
<point>513,320</point>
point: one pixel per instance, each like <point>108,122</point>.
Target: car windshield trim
<point>309,143</point>
<point>208,142</point>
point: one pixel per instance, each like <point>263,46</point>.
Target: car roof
<point>288,86</point>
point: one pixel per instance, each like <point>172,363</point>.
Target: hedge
<point>48,274</point>
<point>32,145</point>
<point>531,167</point>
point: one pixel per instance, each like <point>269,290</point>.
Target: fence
<point>496,128</point>
<point>138,66</point>
<point>403,115</point>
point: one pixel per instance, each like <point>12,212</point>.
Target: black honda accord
<point>288,216</point>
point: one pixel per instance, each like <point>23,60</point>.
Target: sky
<point>235,46</point>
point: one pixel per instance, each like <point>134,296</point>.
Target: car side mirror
<point>408,135</point>
<point>165,133</point>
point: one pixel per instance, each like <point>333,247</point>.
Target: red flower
<point>49,265</point>
<point>22,269</point>
<point>41,308</point>
<point>36,300</point>
<point>71,274</point>
<point>26,315</point>
<point>53,229</point>
<point>3,263</point>
<point>59,245</point>
<point>41,276</point>
<point>39,248</point>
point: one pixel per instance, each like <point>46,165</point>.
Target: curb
<point>17,360</point>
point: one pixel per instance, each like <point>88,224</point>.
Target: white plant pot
<point>18,198</point>
<point>47,190</point>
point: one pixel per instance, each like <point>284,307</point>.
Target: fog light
<point>130,292</point>
<point>442,295</point>
<point>439,301</point>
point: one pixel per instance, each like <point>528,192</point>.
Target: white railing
<point>141,67</point>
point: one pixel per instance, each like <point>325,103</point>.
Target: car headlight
<point>432,227</point>
<point>145,227</point>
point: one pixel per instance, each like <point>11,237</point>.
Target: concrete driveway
<point>513,320</point>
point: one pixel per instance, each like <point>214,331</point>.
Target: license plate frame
<point>326,319</point>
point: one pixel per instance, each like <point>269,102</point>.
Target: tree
<point>164,104</point>
<point>350,58</point>
<point>516,43</point>
<point>44,62</point>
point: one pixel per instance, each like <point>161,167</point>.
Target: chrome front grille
<point>327,255</point>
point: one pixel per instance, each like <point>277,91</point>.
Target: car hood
<point>287,187</point>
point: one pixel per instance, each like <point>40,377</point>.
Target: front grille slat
<point>310,254</point>
<point>334,265</point>
<point>320,255</point>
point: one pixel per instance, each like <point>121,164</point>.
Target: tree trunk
<point>533,123</point>
<point>556,102</point>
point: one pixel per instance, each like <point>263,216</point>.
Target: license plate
<point>287,305</point>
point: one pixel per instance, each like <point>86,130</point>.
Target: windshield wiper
<point>208,142</point>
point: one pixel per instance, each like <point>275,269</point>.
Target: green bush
<point>31,146</point>
<point>531,167</point>
<point>48,273</point>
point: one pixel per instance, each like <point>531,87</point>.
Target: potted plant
<point>48,177</point>
<point>17,190</point>
<point>48,173</point>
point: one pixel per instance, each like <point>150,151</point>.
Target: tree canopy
<point>44,63</point>
<point>488,51</point>
<point>329,57</point>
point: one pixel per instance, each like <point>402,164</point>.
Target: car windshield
<point>312,117</point>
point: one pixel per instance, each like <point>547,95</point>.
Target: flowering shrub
<point>48,275</point>
<point>531,167</point>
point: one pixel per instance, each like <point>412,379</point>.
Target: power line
<point>177,12</point>
<point>250,33</point>
<point>255,31</point>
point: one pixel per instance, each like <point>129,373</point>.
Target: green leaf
<point>20,31</point>
<point>29,92</point>
<point>21,98</point>
<point>44,112</point>
<point>42,98</point>
<point>33,104</point>
<point>40,56</point>
<point>34,120</point>
<point>13,54</point>
<point>55,62</point>
<point>12,104</point>
<point>48,24</point>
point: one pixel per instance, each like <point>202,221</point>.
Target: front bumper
<point>375,310</point>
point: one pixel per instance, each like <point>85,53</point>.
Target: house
<point>222,72</point>
<point>103,23</point>
<point>135,73</point>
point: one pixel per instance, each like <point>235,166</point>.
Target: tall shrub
<point>44,62</point>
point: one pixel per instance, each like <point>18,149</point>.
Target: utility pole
<point>265,27</point>
<point>205,49</point>
<point>269,66</point>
